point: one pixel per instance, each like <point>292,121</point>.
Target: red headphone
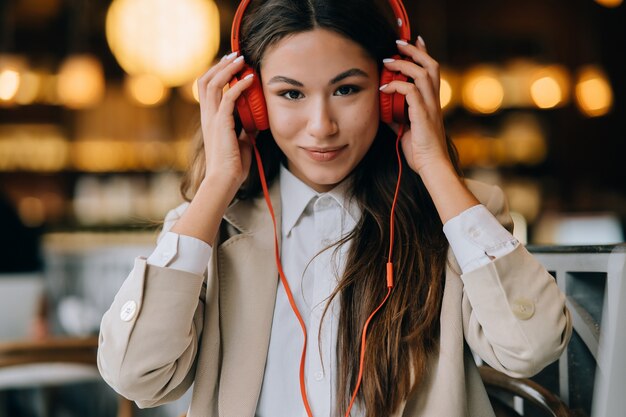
<point>251,106</point>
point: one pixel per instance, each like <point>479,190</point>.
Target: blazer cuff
<point>476,238</point>
<point>181,252</point>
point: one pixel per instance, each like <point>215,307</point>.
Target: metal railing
<point>592,371</point>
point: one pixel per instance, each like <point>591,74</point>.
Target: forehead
<point>318,52</point>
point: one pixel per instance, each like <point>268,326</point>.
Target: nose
<point>321,123</point>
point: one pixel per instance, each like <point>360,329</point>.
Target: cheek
<point>367,116</point>
<point>282,122</point>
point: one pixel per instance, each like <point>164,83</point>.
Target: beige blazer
<point>167,329</point>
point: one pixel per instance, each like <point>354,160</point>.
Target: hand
<point>424,141</point>
<point>228,157</point>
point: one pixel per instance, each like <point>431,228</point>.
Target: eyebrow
<point>349,73</point>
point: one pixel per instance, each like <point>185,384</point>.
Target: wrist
<point>220,183</point>
<point>437,168</point>
<point>447,189</point>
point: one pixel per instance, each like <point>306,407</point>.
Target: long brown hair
<point>405,332</point>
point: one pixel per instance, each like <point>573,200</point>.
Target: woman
<point>460,281</point>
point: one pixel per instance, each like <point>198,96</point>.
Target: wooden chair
<point>499,384</point>
<point>45,359</point>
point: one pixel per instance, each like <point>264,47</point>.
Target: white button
<point>474,232</point>
<point>523,308</point>
<point>319,375</point>
<point>129,309</point>
<point>326,242</point>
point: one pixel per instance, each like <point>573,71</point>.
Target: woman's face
<point>322,92</point>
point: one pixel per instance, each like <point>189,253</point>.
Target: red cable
<point>292,302</point>
<point>393,209</point>
<point>283,279</point>
<point>389,273</point>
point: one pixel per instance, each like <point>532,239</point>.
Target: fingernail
<point>421,41</point>
<point>401,42</point>
<point>238,60</point>
<point>388,60</point>
<point>231,55</point>
<point>382,87</point>
<point>248,76</point>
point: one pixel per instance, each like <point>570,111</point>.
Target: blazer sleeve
<point>514,314</point>
<point>149,336</point>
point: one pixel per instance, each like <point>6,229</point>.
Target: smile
<point>324,154</point>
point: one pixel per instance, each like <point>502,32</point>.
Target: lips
<point>324,154</point>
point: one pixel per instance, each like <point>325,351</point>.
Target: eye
<point>345,90</point>
<point>291,95</point>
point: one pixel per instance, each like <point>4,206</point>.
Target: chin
<point>327,181</point>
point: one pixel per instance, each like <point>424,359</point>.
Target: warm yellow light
<point>609,3</point>
<point>524,139</point>
<point>445,93</point>
<point>194,91</point>
<point>36,147</point>
<point>546,92</point>
<point>48,89</point>
<point>11,69</point>
<point>32,211</point>
<point>594,95</point>
<point>9,83</point>
<point>146,89</point>
<point>29,88</point>
<point>81,81</point>
<point>175,40</point>
<point>449,88</point>
<point>516,79</point>
<point>482,90</point>
<point>189,91</point>
<point>98,155</point>
<point>549,86</point>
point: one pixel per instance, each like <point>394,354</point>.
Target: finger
<point>245,148</point>
<point>210,73</point>
<point>214,89</point>
<point>227,106</point>
<point>225,60</point>
<point>419,42</point>
<point>420,76</point>
<point>417,108</point>
<point>420,56</point>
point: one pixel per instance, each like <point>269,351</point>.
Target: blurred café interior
<point>98,104</point>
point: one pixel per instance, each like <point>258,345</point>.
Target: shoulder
<point>493,198</point>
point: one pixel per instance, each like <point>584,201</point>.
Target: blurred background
<point>97,108</point>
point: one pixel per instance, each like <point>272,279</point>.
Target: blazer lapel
<point>248,280</point>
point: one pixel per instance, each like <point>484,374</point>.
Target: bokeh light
<point>81,81</point>
<point>146,90</point>
<point>594,95</point>
<point>172,40</point>
<point>482,90</point>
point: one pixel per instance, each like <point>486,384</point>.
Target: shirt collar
<point>295,196</point>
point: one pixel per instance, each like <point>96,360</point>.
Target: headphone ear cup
<point>400,106</point>
<point>393,107</point>
<point>250,106</point>
<point>386,100</point>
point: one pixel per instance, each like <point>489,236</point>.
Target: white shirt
<point>312,221</point>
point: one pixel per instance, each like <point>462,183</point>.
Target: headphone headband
<point>234,34</point>
<point>402,19</point>
<point>399,11</point>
